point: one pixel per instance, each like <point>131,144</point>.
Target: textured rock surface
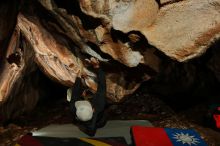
<point>182,30</point>
<point>185,30</point>
<point>52,56</point>
<point>18,80</point>
<point>128,37</point>
<point>123,15</point>
<point>118,50</point>
<point>60,64</point>
<point>13,66</point>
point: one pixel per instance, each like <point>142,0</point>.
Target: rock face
<point>52,56</point>
<point>128,37</point>
<point>123,15</point>
<point>186,29</point>
<point>182,30</point>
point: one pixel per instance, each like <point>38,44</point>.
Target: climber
<point>89,112</point>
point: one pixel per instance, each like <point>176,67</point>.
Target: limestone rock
<point>119,51</point>
<point>128,37</point>
<point>52,56</point>
<point>186,29</point>
<point>180,29</point>
<point>123,15</point>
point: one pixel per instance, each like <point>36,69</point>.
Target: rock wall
<point>131,39</point>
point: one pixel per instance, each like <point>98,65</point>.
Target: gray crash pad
<point>114,128</point>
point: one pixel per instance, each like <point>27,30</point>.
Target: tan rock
<point>52,56</point>
<point>185,30</point>
<point>10,72</point>
<point>57,61</point>
<point>123,15</point>
<point>121,52</point>
<point>118,87</point>
<point>128,15</point>
<point>180,29</point>
<point>18,78</point>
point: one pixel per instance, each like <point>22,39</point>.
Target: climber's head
<point>84,110</point>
